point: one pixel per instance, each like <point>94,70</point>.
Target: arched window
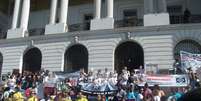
<point>32,60</point>
<point>76,58</point>
<point>129,54</point>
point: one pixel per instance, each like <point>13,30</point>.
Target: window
<point>130,17</point>
<point>175,12</point>
<point>87,19</point>
<point>176,9</point>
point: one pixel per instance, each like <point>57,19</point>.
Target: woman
<point>131,95</point>
<point>33,96</point>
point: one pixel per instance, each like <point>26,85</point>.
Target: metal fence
<point>128,23</point>
<point>181,19</point>
<point>36,31</point>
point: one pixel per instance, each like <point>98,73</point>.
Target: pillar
<point>53,11</point>
<point>16,14</point>
<point>25,14</point>
<point>64,10</point>
<point>15,32</point>
<point>164,5</point>
<point>148,6</point>
<point>110,6</point>
<point>98,9</point>
<point>61,27</point>
<point>103,23</point>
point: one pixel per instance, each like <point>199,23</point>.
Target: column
<point>162,6</point>
<point>164,3</point>
<point>64,10</point>
<point>98,9</point>
<point>16,14</point>
<point>103,23</point>
<point>110,4</point>
<point>148,6</point>
<point>53,11</point>
<point>25,14</point>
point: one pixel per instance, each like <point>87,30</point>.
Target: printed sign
<point>190,60</point>
<point>166,80</point>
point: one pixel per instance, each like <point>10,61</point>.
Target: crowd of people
<point>30,86</point>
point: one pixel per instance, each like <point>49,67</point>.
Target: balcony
<point>180,19</point>
<point>119,23</point>
<point>128,23</point>
<point>36,31</point>
<point>79,27</point>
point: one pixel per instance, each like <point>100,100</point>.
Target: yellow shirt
<point>33,98</point>
<point>18,97</point>
<point>66,99</point>
<point>82,99</point>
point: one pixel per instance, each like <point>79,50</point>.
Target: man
<point>147,91</point>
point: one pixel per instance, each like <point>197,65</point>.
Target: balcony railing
<point>180,19</point>
<point>36,31</point>
<point>128,23</point>
<point>117,24</point>
<point>177,19</point>
<point>79,27</point>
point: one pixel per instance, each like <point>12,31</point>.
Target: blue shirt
<point>131,95</point>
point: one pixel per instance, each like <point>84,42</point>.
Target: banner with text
<point>166,80</point>
<point>190,60</point>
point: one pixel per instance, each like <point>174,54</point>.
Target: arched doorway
<point>32,60</point>
<point>129,54</point>
<point>188,46</point>
<point>76,58</point>
<point>1,63</point>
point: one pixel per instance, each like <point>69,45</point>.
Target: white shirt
<point>157,98</point>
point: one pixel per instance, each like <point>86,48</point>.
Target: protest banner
<point>190,60</point>
<point>165,80</point>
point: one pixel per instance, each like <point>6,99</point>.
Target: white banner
<point>190,60</point>
<point>166,80</point>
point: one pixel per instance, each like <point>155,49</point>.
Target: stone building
<point>66,35</point>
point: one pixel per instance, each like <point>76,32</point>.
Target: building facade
<point>98,34</point>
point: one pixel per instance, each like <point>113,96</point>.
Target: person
<point>28,92</point>
<point>98,97</point>
<point>160,92</point>
<point>130,95</point>
<point>177,94</point>
<point>121,93</point>
<point>83,75</point>
<point>140,95</point>
<point>141,70</point>
<point>66,97</point>
<point>193,95</point>
<point>124,76</point>
<point>24,84</point>
<point>147,92</point>
<point>12,82</point>
<point>33,96</point>
<point>191,77</point>
<point>187,15</point>
<point>81,97</point>
<point>18,95</point>
<point>6,94</point>
<point>156,95</point>
<point>106,73</point>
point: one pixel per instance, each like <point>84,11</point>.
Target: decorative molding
<point>142,31</point>
<point>76,39</point>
